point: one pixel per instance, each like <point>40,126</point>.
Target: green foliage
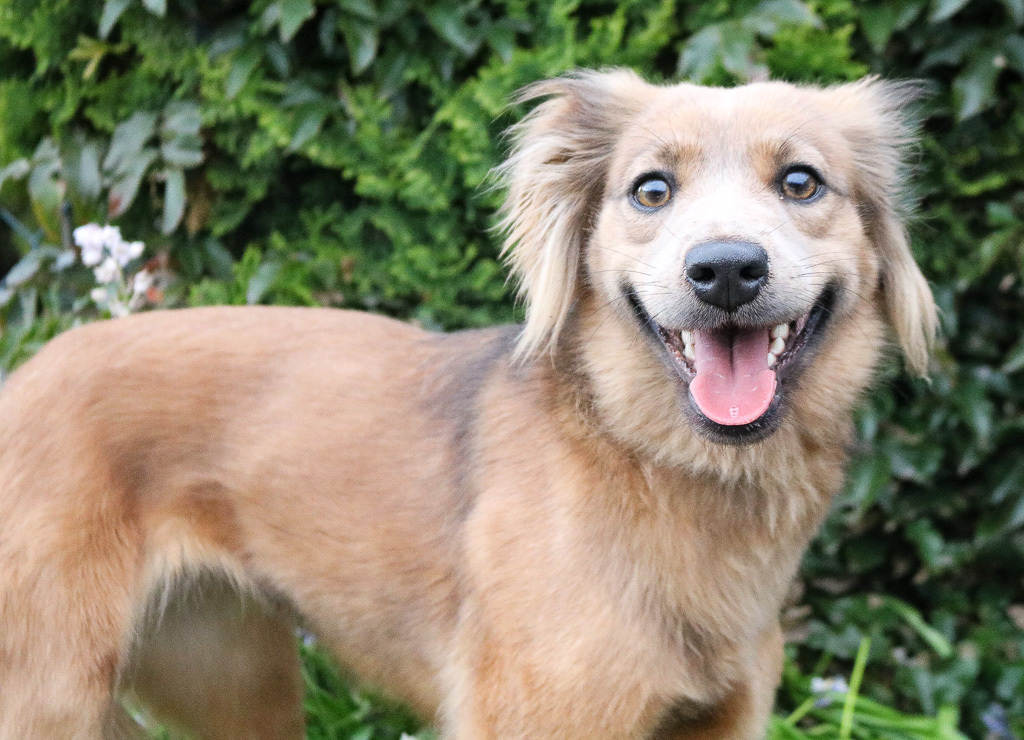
<point>336,152</point>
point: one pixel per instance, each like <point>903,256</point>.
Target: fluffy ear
<point>879,132</point>
<point>555,177</point>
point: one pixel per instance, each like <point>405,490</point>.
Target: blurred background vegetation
<point>336,153</point>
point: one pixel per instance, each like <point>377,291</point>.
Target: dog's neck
<point>625,397</point>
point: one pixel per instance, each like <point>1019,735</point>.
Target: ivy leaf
<point>293,14</point>
<point>174,199</point>
<point>129,138</point>
<point>112,10</point>
<point>156,7</point>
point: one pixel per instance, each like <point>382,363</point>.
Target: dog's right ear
<point>555,177</point>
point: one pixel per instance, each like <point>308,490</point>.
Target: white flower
<point>107,272</point>
<point>827,688</point>
<point>90,240</point>
<point>124,252</point>
<point>835,685</point>
<point>142,282</point>
<point>99,295</point>
<point>118,309</point>
<point>111,235</point>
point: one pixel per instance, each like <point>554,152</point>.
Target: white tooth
<point>771,359</point>
<point>686,336</point>
<point>689,353</point>
<point>778,345</point>
<point>782,330</point>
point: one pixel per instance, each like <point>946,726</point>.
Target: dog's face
<point>736,230</point>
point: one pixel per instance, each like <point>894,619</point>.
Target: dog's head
<point>751,236</point>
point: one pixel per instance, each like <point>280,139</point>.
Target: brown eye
<point>800,183</point>
<point>653,192</point>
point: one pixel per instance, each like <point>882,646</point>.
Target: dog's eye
<point>653,192</point>
<point>800,183</point>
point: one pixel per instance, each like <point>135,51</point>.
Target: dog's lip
<point>788,367</point>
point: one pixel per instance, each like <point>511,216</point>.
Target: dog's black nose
<point>727,274</point>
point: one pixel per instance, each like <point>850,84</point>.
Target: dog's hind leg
<point>220,664</point>
<point>65,615</point>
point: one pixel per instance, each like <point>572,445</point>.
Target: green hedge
<point>337,153</point>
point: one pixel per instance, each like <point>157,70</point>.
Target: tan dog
<point>579,528</point>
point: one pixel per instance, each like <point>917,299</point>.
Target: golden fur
<point>518,531</point>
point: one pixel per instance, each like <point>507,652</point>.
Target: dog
<point>580,527</point>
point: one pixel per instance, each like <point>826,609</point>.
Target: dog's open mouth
<point>736,375</point>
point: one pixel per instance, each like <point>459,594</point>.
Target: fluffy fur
<point>524,532</point>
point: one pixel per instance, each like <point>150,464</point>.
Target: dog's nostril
<point>727,274</point>
<point>754,271</point>
<point>701,274</point>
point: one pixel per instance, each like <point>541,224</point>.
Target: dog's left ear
<point>556,175</point>
<point>876,124</point>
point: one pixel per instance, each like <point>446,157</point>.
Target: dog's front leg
<point>744,713</point>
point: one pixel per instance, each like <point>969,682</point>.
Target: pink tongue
<point>733,384</point>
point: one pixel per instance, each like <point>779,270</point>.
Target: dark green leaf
<point>112,10</point>
<point>361,41</point>
<point>157,7</point>
<point>174,200</point>
<point>126,186</point>
<point>293,14</point>
<point>182,117</point>
<point>974,88</point>
<point>943,9</point>
<point>129,138</point>
<point>242,65</point>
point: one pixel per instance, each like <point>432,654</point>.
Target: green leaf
<point>183,152</point>
<point>974,88</point>
<point>1015,9</point>
<point>129,138</point>
<point>943,9</point>
<point>242,65</point>
<point>361,41</point>
<point>182,117</point>
<point>83,171</point>
<point>174,200</point>
<point>309,126</point>
<point>700,54</point>
<point>293,14</point>
<point>157,7</point>
<point>260,283</point>
<point>112,10</point>
<point>14,171</point>
<point>1013,47</point>
<point>450,23</point>
<point>785,12</point>
<point>126,187</point>
<point>1014,358</point>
